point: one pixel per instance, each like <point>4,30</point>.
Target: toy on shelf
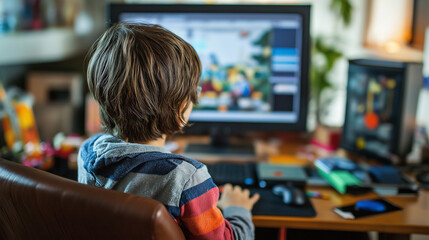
<point>20,132</point>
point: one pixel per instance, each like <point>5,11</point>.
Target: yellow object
<point>2,93</point>
<point>232,75</point>
<point>374,87</point>
<point>360,143</point>
<point>266,51</point>
<point>217,85</point>
<point>256,95</point>
<point>210,94</point>
<point>27,124</point>
<point>287,159</point>
<point>222,108</point>
<point>25,116</point>
<point>9,135</point>
<point>391,83</point>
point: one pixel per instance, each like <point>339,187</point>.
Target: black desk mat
<point>272,205</point>
<point>358,213</point>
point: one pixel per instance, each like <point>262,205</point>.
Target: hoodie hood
<point>113,158</point>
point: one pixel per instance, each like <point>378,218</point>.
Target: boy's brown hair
<point>144,77</point>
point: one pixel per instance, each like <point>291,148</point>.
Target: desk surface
<point>414,218</point>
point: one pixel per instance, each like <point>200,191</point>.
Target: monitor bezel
<point>115,9</point>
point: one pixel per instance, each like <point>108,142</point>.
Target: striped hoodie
<point>183,185</point>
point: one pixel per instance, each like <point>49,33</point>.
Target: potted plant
<point>325,55</point>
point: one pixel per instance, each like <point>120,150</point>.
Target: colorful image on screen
<point>250,63</point>
<point>372,109</point>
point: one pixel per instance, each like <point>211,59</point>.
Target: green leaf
<point>344,9</point>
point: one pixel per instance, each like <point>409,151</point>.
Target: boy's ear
<point>186,112</point>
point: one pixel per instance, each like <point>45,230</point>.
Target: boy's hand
<point>235,196</point>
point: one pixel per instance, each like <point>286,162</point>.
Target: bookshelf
<point>47,45</point>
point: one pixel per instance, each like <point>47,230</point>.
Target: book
<point>329,164</point>
<point>344,182</point>
<point>335,163</point>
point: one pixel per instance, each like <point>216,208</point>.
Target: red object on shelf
<point>326,138</point>
<point>371,120</point>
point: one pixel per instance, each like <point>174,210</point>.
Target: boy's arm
<point>240,220</point>
<point>201,218</point>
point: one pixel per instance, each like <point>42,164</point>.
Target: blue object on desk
<point>386,174</point>
<point>370,205</point>
<point>248,181</point>
<point>426,82</point>
<point>262,184</point>
<point>290,195</point>
<point>329,164</point>
<point>284,192</point>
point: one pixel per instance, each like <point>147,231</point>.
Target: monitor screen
<point>254,60</point>
<point>371,115</point>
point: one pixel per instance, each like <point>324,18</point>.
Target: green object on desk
<point>342,181</point>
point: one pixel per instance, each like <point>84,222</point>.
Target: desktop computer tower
<point>381,108</point>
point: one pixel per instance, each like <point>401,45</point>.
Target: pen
<point>317,194</point>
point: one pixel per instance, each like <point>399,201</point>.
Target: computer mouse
<point>284,193</point>
<point>370,205</point>
<point>290,195</point>
<point>298,197</point>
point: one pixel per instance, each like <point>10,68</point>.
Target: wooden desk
<point>414,218</point>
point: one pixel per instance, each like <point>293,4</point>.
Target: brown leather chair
<point>38,205</point>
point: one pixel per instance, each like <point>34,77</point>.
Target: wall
<point>323,23</point>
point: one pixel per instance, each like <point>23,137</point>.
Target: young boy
<point>145,80</point>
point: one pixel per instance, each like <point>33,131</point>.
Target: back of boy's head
<point>144,77</point>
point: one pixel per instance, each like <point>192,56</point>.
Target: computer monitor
<point>255,62</point>
<point>381,108</point>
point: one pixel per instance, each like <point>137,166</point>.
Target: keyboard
<point>234,173</point>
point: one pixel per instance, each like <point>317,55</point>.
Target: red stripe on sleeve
<point>200,204</point>
<point>202,219</point>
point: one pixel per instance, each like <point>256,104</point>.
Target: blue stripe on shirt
<point>174,211</point>
<point>88,155</point>
<point>196,191</point>
<point>137,163</point>
<point>116,168</point>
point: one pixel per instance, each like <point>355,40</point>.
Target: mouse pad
<point>351,212</point>
<point>272,205</point>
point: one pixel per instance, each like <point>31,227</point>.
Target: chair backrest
<point>38,205</point>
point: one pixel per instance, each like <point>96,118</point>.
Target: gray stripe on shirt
<point>199,177</point>
<point>166,188</point>
<point>115,147</point>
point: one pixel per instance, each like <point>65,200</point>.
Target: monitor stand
<point>221,148</point>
